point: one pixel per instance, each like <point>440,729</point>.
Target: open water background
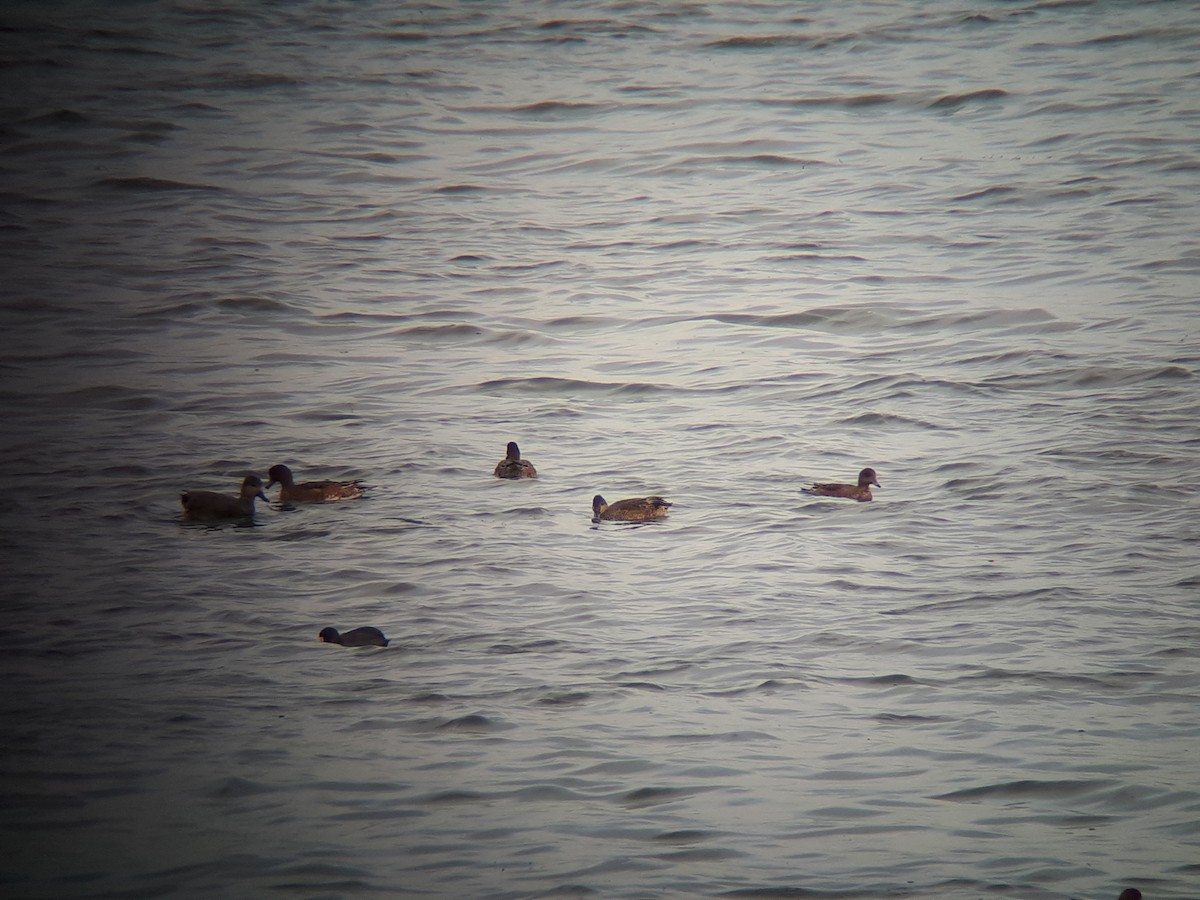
<point>709,250</point>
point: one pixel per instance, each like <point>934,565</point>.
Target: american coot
<point>367,636</point>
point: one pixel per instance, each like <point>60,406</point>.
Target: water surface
<point>709,251</point>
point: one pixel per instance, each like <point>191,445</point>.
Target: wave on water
<point>889,319</point>
<point>462,189</point>
<point>551,386</point>
<point>890,420</point>
<point>152,185</point>
<point>767,42</point>
<point>954,101</point>
<point>691,165</point>
<point>433,334</point>
<point>845,101</point>
<point>559,108</point>
<point>606,27</point>
<point>830,318</point>
<point>1155,36</point>
<point>1028,787</point>
<point>867,101</point>
<point>1089,378</point>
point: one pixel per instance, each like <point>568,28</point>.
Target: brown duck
<point>636,509</point>
<point>213,505</point>
<point>311,491</point>
<point>512,466</point>
<point>860,491</point>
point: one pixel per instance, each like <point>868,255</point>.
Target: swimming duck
<point>1130,894</point>
<point>212,505</point>
<point>512,466</point>
<point>636,509</point>
<point>860,491</point>
<point>311,491</point>
<point>367,636</point>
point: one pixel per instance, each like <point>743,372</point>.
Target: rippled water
<point>707,250</point>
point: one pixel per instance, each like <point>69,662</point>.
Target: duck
<point>635,509</point>
<point>311,491</point>
<point>214,505</point>
<point>860,491</point>
<point>1130,894</point>
<point>366,636</point>
<point>512,466</point>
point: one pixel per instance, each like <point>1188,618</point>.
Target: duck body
<point>366,636</point>
<point>512,466</point>
<point>311,491</point>
<point>635,509</point>
<point>213,505</point>
<point>860,491</point>
<point>1130,894</point>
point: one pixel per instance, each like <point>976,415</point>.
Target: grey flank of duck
<point>366,636</point>
<point>512,466</point>
<point>311,491</point>
<point>860,491</point>
<point>635,509</point>
<point>213,505</point>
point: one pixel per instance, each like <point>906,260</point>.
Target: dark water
<point>712,251</point>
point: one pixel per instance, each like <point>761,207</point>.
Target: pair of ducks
<point>640,509</point>
<point>214,505</point>
<point>635,509</point>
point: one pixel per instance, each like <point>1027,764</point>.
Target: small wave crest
<point>148,184</point>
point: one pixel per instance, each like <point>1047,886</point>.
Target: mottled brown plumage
<point>635,509</point>
<point>512,466</point>
<point>312,491</point>
<point>860,491</point>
